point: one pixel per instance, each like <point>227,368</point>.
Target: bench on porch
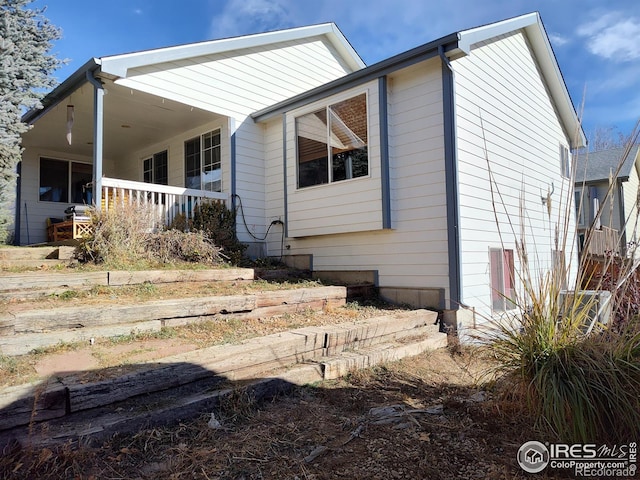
<point>75,227</point>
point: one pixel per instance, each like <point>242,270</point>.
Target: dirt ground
<point>435,416</point>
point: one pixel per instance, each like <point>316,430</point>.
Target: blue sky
<point>596,42</point>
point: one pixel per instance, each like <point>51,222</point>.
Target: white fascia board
<point>532,25</point>
<point>118,65</point>
<point>479,34</point>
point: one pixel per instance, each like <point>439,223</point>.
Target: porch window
<point>502,279</point>
<point>155,169</point>
<point>332,143</point>
<point>64,181</point>
<point>202,161</point>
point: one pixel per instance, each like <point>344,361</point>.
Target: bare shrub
<point>126,236</point>
<point>171,245</point>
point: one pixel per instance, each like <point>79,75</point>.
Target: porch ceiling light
<point>70,117</point>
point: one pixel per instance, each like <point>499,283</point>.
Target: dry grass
<point>272,439</point>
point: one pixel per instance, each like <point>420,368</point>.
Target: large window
<point>502,279</point>
<point>155,169</point>
<point>332,143</point>
<point>202,162</point>
<point>64,181</point>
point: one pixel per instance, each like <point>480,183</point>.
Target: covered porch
<point>98,143</point>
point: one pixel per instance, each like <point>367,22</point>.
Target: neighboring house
<point>382,168</point>
<point>615,230</point>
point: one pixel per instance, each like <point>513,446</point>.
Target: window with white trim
<point>332,143</point>
<point>203,163</point>
<point>65,181</point>
<point>565,162</point>
<point>502,279</point>
<point>155,169</point>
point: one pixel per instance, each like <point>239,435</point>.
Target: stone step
<point>192,383</point>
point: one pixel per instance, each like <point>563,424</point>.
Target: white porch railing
<point>166,202</point>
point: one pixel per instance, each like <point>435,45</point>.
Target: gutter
<point>373,72</point>
<point>62,91</point>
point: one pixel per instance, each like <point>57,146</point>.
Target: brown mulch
<point>435,416</point>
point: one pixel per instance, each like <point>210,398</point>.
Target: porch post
<point>98,135</point>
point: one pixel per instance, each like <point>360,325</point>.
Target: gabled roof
<point>455,45</point>
<point>117,66</point>
<point>598,166</point>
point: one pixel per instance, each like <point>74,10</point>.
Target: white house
<point>425,168</point>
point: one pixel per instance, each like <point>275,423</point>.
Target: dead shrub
<point>171,245</point>
<point>127,235</point>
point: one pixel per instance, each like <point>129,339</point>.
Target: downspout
<point>623,229</point>
<point>16,222</point>
<point>98,136</point>
<point>384,152</point>
<point>284,175</point>
<point>451,182</point>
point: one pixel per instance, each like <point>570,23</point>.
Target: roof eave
<point>402,60</point>
<point>62,91</point>
<point>118,65</point>
<point>532,24</point>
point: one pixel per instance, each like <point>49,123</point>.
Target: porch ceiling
<point>132,120</point>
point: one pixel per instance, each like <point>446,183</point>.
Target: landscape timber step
<point>10,254</point>
<point>254,358</point>
<point>41,264</point>
<point>24,330</point>
<point>20,282</point>
<point>59,411</point>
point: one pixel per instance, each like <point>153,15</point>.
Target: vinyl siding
<point>507,120</point>
<point>238,83</point>
<point>413,253</point>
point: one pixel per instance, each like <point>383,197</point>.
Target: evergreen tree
<point>25,73</point>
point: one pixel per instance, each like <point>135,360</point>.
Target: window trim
<point>69,177</point>
<point>200,136</point>
<point>325,104</point>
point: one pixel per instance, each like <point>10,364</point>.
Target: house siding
<point>238,83</point>
<point>503,106</point>
<point>413,253</point>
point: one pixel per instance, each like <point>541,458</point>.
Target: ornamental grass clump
<point>580,378</point>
